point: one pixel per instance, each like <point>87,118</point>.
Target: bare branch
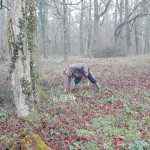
<point>106,8</point>
<point>70,3</point>
<point>119,28</point>
<point>127,20</point>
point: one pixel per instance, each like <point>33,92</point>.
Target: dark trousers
<point>90,77</point>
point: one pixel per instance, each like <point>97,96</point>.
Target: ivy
<point>27,31</point>
<point>26,87</point>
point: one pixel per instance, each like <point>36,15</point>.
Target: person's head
<point>67,72</point>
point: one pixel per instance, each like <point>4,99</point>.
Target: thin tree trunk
<point>147,37</point>
<point>96,26</point>
<point>120,40</point>
<point>116,17</point>
<point>89,31</point>
<point>65,28</point>
<point>136,37</point>
<point>81,30</point>
<point>68,32</point>
<point>128,36</point>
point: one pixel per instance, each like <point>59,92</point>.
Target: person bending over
<point>78,71</point>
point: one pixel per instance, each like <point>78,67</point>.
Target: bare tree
<point>88,53</point>
<point>81,29</point>
<point>128,37</point>
<point>97,16</point>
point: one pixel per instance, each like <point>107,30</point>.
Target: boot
<point>97,85</point>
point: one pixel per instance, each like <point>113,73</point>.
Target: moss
<point>41,93</point>
<point>31,31</point>
<point>9,34</point>
<point>34,141</point>
<point>26,88</point>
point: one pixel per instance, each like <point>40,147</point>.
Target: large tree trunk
<point>23,54</point>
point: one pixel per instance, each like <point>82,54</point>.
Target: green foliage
<point>103,121</point>
<point>3,115</point>
<point>132,134</point>
<point>128,109</point>
<point>112,99</point>
<point>41,93</point>
<point>84,132</point>
<point>9,34</point>
<point>72,97</point>
<point>91,145</point>
<point>139,145</point>
<point>26,87</point>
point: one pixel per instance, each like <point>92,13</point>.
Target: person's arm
<point>67,85</point>
<point>85,70</point>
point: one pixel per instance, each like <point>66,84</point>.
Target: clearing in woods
<point>116,117</point>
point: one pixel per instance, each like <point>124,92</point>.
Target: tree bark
<point>128,36</point>
<point>96,26</point>
<point>89,31</point>
<point>42,19</point>
<point>23,54</point>
<point>136,37</point>
<point>65,28</point>
<point>81,30</point>
<point>116,17</point>
<point>147,37</point>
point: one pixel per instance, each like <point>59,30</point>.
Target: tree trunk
<point>65,28</point>
<point>68,31</point>
<point>136,37</point>
<point>128,37</point>
<point>120,44</point>
<point>89,31</point>
<point>81,30</point>
<point>147,40</point>
<point>23,53</point>
<point>116,17</point>
<point>96,27</point>
<point>42,25</point>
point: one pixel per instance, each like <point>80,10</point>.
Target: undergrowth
<point>116,117</point>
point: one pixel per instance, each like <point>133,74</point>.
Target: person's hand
<point>86,75</point>
<point>65,91</point>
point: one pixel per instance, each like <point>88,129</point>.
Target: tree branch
<point>119,28</point>
<point>6,7</point>
<point>70,3</point>
<point>105,10</point>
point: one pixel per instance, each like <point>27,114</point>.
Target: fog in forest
<point>87,28</point>
<point>74,74</point>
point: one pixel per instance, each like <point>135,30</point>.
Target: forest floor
<point>116,117</point>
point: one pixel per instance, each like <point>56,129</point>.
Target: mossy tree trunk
<point>22,32</point>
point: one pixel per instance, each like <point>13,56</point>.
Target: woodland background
<point>38,38</point>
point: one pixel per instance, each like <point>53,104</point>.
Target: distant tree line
<point>95,28</point>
